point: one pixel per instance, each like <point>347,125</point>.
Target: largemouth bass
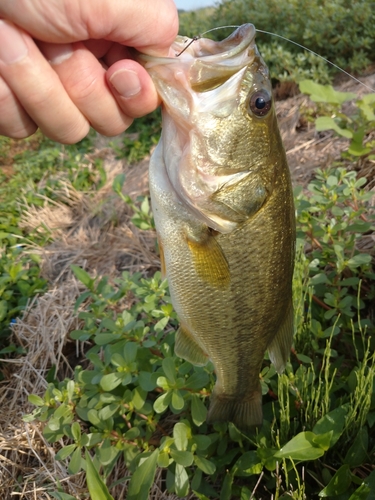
<point>223,207</point>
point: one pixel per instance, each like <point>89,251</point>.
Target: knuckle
<point>70,136</point>
<point>113,131</point>
<point>82,85</point>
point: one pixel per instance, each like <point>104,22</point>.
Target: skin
<point>66,65</point>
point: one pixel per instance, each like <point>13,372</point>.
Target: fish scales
<point>223,207</point>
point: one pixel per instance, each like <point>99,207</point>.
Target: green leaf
<point>339,483</point>
<point>324,93</point>
<point>3,309</point>
<point>205,465</point>
<point>177,400</point>
<point>162,402</point>
<point>361,493</point>
<point>60,495</point>
<point>130,352</point>
<point>301,447</point>
<point>323,440</point>
<point>111,381</point>
<point>248,464</point>
<point>161,324</point>
<point>197,381</point>
<point>319,278</point>
<point>70,389</point>
<point>370,482</point>
<point>169,369</point>
<point>198,410</point>
<point>181,481</point>
<point>96,486</point>
<point>332,421</point>
<point>328,123</point>
<point>184,458</point>
<point>163,459</point>
<point>65,452</point>
<point>118,182</point>
<point>108,411</point>
<point>180,434</point>
<point>106,454</point>
<point>359,260</point>
<point>76,431</point>
<point>82,275</point>
<point>147,380</point>
<point>200,496</point>
<point>92,415</point>
<point>75,463</point>
<point>143,478</point>
<point>202,441</point>
<point>357,453</point>
<point>36,400</point>
<point>226,489</point>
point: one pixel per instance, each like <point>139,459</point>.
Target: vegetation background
<point>94,403</point>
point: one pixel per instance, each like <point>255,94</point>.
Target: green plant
<point>138,402</point>
<point>39,168</point>
<point>358,127</point>
<point>142,216</point>
<point>333,217</point>
<point>331,28</point>
<point>140,137</point>
<point>19,282</point>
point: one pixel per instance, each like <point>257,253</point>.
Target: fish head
<point>219,118</point>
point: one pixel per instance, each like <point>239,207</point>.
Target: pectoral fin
<point>279,349</point>
<point>210,262</point>
<point>241,199</point>
<point>187,348</point>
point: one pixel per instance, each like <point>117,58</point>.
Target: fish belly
<point>232,293</point>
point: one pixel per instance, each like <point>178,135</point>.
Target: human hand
<point>66,65</point>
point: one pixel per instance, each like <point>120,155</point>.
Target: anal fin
<point>279,349</point>
<point>187,348</point>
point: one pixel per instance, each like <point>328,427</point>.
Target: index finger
<point>148,26</point>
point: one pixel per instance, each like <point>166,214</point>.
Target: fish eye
<point>260,103</point>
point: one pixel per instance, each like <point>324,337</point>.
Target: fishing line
<point>197,37</point>
<point>318,55</point>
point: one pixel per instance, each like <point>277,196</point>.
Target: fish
<point>222,201</point>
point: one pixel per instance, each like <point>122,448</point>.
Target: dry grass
<point>94,231</point>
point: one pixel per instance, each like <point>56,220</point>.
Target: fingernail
<point>126,82</point>
<point>13,47</point>
<point>57,53</point>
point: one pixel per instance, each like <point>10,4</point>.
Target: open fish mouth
<point>211,62</point>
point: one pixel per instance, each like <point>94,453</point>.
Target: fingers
<point>14,121</point>
<point>133,88</point>
<point>148,26</point>
<point>63,100</point>
<point>84,80</point>
<point>38,88</point>
<point>61,85</point>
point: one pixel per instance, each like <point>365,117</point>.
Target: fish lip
<point>236,43</point>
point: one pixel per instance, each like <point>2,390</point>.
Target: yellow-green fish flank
<point>223,208</point>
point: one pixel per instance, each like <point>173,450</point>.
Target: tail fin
<point>246,414</point>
